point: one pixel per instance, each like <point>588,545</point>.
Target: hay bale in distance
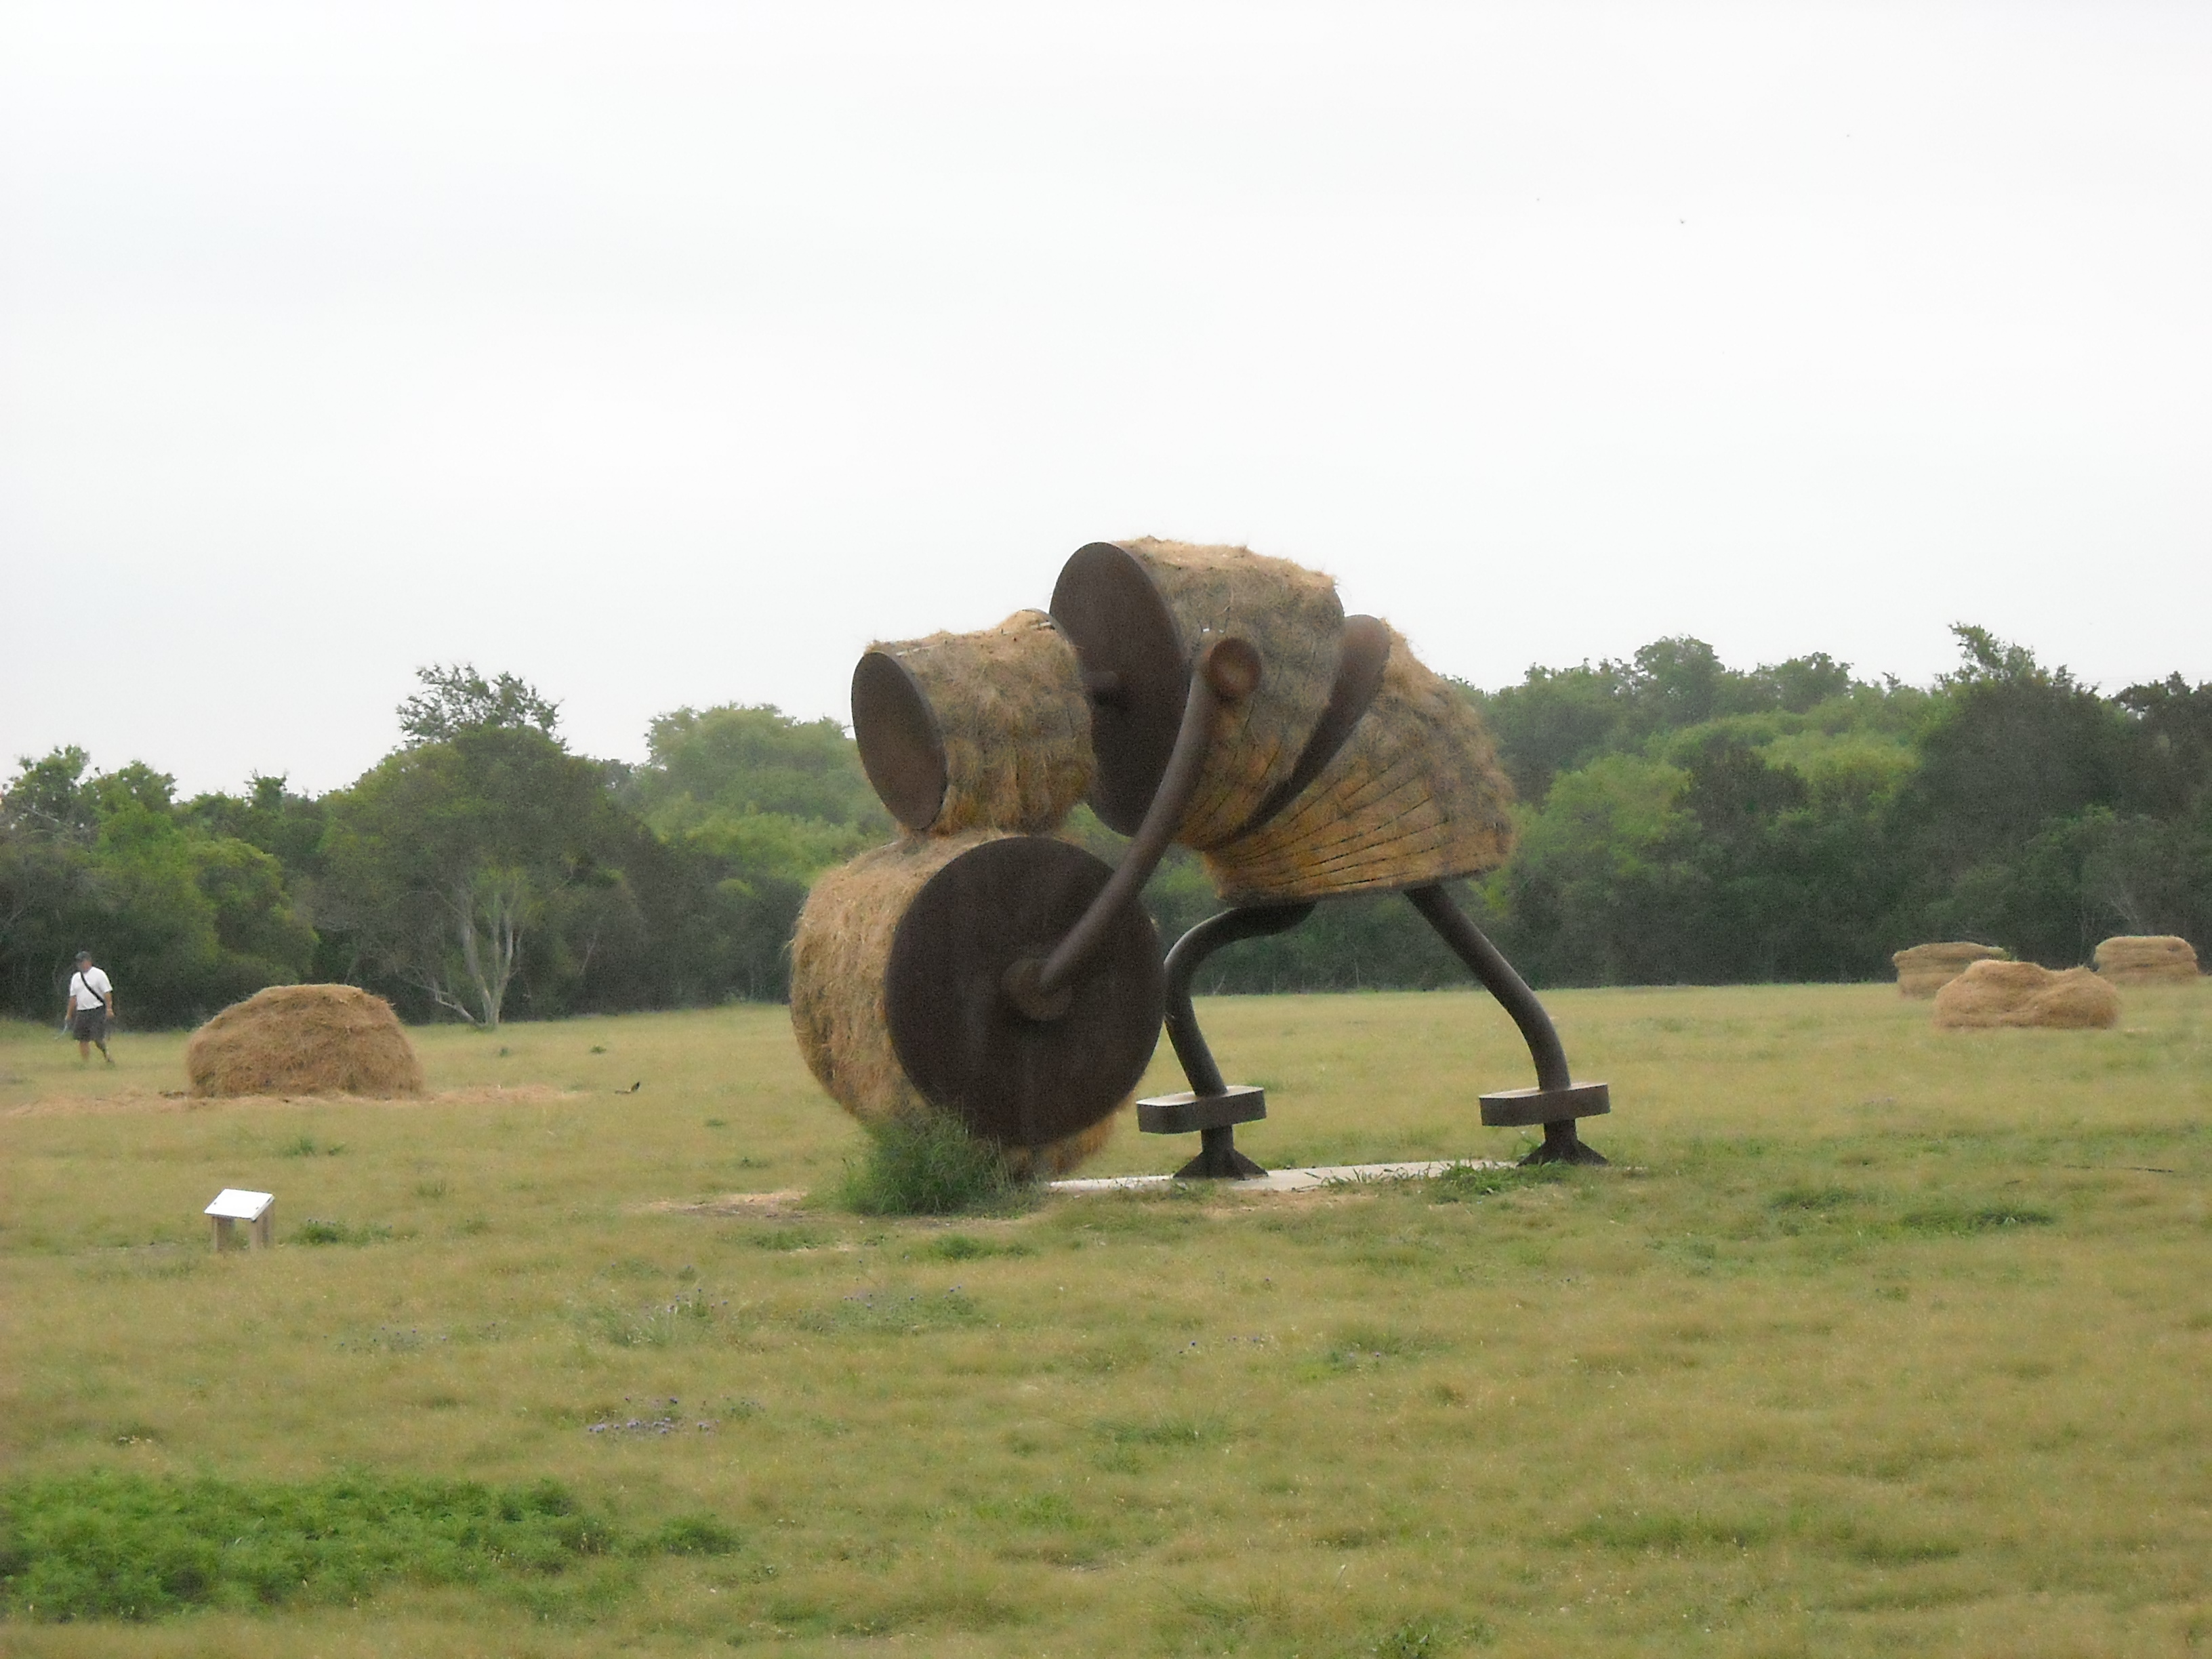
<point>1990,993</point>
<point>2146,959</point>
<point>1924,970</point>
<point>988,730</point>
<point>1415,795</point>
<point>840,954</point>
<point>1293,618</point>
<point>304,1040</point>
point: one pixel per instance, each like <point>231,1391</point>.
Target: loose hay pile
<point>1927,969</point>
<point>304,1040</point>
<point>2024,993</point>
<point>839,956</point>
<point>2146,959</point>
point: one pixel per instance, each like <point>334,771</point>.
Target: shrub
<point>931,1166</point>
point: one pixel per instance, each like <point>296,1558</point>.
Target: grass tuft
<point>931,1167</point>
<point>1464,1183</point>
<point>1958,1220</point>
<point>696,1534</point>
<point>107,1546</point>
<point>961,1246</point>
<point>1433,1638</point>
<point>1813,1200</point>
<point>319,1230</point>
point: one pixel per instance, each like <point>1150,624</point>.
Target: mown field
<point>1874,1340</point>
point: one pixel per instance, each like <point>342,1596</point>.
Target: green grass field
<point>1875,1339</point>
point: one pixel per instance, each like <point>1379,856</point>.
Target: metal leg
<point>1189,955</point>
<point>1217,1157</point>
<point>1557,1100</point>
<point>1213,1107</point>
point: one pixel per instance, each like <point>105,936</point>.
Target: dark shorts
<point>91,1024</point>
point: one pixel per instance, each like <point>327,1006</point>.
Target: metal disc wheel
<point>1012,1078</point>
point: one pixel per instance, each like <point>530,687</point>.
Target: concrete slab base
<point>1286,1181</point>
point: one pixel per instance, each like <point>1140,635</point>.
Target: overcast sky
<point>668,355</point>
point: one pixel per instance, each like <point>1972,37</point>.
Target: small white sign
<point>234,1204</point>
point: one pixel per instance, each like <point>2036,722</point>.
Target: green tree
<point>1556,719</point>
<point>1992,824</point>
<point>2170,746</point>
<point>455,698</point>
<point>764,794</point>
<point>1602,889</point>
<point>185,919</point>
<point>449,859</point>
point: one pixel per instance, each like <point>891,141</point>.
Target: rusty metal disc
<point>902,746</point>
<point>1020,1081</point>
<point>1136,661</point>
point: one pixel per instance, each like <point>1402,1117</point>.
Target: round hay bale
<point>1924,970</point>
<point>1290,614</point>
<point>841,957</point>
<point>304,1040</point>
<point>1990,993</point>
<point>1414,796</point>
<point>988,730</point>
<point>2146,959</point>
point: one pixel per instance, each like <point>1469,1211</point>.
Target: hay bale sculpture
<point>979,967</point>
<point>1924,970</point>
<point>1992,993</point>
<point>2148,959</point>
<point>304,1040</point>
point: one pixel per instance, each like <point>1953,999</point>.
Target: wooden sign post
<point>233,1204</point>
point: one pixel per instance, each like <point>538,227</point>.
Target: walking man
<point>91,1005</point>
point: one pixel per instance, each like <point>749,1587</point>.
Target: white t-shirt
<point>89,989</point>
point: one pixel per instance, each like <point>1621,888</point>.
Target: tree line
<point>1680,821</point>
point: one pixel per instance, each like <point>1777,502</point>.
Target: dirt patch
<point>784,1206</point>
<point>128,1100</point>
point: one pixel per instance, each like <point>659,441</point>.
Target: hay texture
<point>1293,618</point>
<point>2146,959</point>
<point>2024,993</point>
<point>1014,721</point>
<point>839,958</point>
<point>1924,970</point>
<point>1415,796</point>
<point>304,1040</point>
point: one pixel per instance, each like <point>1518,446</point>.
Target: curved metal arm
<point>1227,672</point>
<point>1190,953</point>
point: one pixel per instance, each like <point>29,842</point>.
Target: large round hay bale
<point>1414,796</point>
<point>2148,959</point>
<point>1290,615</point>
<point>304,1040</point>
<point>988,730</point>
<point>841,961</point>
<point>1990,993</point>
<point>1924,970</point>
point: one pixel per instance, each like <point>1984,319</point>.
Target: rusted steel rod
<point>1473,947</point>
<point>1227,670</point>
